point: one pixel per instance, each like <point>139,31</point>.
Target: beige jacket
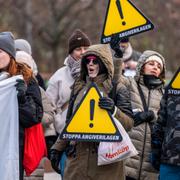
<point>139,167</point>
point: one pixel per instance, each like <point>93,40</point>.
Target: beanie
<point>155,58</point>
<point>78,39</point>
<point>7,43</point>
<point>23,45</point>
<point>23,57</point>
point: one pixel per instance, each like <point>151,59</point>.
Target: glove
<point>155,160</point>
<point>21,88</point>
<point>107,103</point>
<point>141,117</point>
<point>55,157</point>
<point>115,40</point>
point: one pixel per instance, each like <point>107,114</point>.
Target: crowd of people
<point>140,102</point>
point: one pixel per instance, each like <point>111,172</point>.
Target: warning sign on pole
<point>123,18</point>
<point>91,123</point>
<point>174,85</point>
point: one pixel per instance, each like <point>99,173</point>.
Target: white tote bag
<point>110,152</point>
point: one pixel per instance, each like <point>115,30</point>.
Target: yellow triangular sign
<point>174,85</point>
<point>123,18</point>
<point>90,122</point>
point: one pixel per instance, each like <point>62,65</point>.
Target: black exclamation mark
<point>92,103</point>
<point>118,4</point>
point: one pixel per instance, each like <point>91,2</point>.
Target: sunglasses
<point>92,59</point>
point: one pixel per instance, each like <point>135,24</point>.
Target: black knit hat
<point>78,39</point>
<point>7,43</point>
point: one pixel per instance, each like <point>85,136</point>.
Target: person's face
<point>78,52</point>
<point>152,68</point>
<point>4,59</point>
<point>92,67</point>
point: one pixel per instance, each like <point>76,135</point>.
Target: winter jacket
<point>84,164</point>
<point>139,167</point>
<point>166,131</point>
<point>59,92</point>
<point>30,113</point>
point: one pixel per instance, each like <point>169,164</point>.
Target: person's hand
<point>21,88</point>
<point>141,117</point>
<point>114,43</point>
<point>107,103</point>
<point>150,116</point>
<point>55,157</point>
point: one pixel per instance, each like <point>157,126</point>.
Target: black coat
<point>30,113</point>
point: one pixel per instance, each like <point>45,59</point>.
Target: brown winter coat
<point>84,165</point>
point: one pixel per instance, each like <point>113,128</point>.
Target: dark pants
<point>50,140</point>
<point>21,169</point>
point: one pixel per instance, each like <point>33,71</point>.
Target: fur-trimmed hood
<point>142,61</point>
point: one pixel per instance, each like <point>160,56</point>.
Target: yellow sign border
<point>96,137</point>
<point>129,32</point>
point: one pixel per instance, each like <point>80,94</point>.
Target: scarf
<point>74,66</point>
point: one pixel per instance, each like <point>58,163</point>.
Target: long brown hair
<point>16,68</point>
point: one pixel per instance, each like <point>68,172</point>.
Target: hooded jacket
<point>139,167</point>
<point>84,164</point>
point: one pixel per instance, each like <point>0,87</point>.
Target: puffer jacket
<point>84,164</point>
<point>166,131</point>
<point>139,167</point>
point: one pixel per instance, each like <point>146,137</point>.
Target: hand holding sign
<point>115,40</point>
